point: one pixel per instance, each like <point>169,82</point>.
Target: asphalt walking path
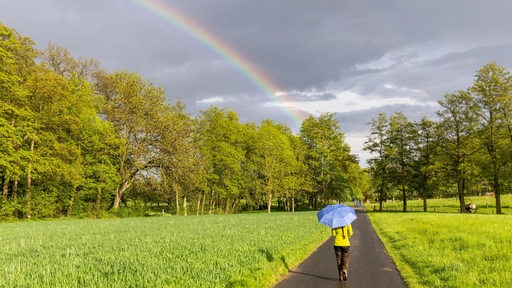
<point>370,265</point>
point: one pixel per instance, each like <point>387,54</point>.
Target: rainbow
<point>200,33</point>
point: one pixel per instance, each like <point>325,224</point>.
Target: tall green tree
<point>426,149</point>
<point>251,184</point>
<point>459,142</point>
<point>379,147</point>
<point>492,90</point>
<point>298,180</point>
<point>98,143</point>
<point>327,158</point>
<point>17,54</point>
<point>219,139</point>
<point>181,166</point>
<point>94,137</point>
<point>53,158</point>
<point>276,159</point>
<point>134,107</point>
<point>401,138</point>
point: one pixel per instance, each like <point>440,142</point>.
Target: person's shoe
<point>344,275</point>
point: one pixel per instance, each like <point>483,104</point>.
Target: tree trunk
<point>498,202</point>
<point>117,200</point>
<point>293,202</point>
<point>212,203</point>
<point>236,206</point>
<point>29,181</point>
<point>15,189</point>
<point>177,198</point>
<point>496,180</point>
<point>381,194</point>
<point>71,202</point>
<point>5,188</point>
<point>425,204</point>
<point>269,201</point>
<point>204,200</point>
<point>460,187</point>
<point>497,193</point>
<point>98,198</point>
<point>198,204</point>
<point>404,194</point>
<point>120,192</point>
<point>185,205</point>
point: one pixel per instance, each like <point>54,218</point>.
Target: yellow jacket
<point>342,235</point>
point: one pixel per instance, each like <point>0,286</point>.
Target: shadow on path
<point>314,275</point>
<point>370,265</point>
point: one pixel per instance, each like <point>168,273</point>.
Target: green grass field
<point>448,250</point>
<point>246,250</point>
<point>485,205</point>
<point>250,250</point>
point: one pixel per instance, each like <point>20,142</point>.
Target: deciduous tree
<point>134,107</point>
<point>459,142</point>
<point>492,90</point>
<point>379,147</point>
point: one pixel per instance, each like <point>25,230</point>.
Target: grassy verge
<point>448,250</point>
<point>248,250</point>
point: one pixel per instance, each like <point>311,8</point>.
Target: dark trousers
<point>342,257</point>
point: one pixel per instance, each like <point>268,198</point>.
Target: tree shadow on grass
<point>268,255</point>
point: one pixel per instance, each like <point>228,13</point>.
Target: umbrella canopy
<point>337,215</point>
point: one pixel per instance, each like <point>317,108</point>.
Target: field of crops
<point>448,250</point>
<point>248,250</point>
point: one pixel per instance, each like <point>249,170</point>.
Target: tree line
<point>466,150</point>
<point>78,141</point>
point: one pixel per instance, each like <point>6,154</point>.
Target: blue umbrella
<point>337,215</point>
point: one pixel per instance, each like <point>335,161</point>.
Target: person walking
<point>339,218</point>
<point>342,249</point>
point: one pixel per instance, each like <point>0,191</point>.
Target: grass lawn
<point>448,250</point>
<point>245,250</point>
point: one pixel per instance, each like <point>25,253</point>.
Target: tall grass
<point>251,250</point>
<point>448,250</point>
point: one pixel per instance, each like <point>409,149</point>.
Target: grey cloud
<point>358,122</point>
<point>377,49</point>
<point>310,97</point>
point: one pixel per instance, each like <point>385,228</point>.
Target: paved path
<point>370,265</point>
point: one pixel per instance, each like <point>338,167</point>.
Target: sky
<point>284,60</point>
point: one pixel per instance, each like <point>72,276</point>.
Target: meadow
<point>244,250</point>
<point>485,205</point>
<point>448,249</point>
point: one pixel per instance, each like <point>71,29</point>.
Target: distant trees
<point>76,141</point>
<point>465,151</point>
